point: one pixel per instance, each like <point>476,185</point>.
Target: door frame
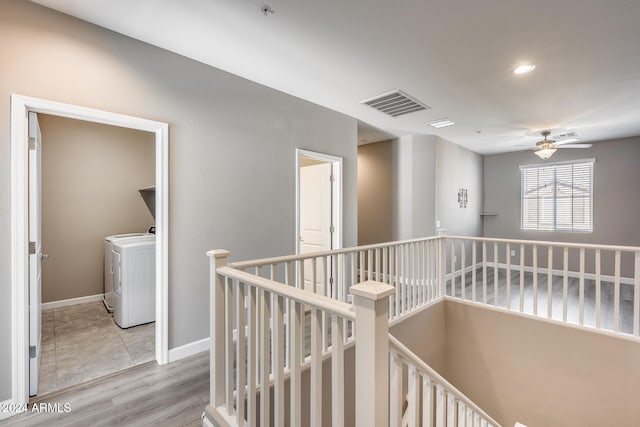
<point>336,193</point>
<point>20,107</point>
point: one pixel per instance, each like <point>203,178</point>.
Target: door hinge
<point>32,143</point>
<point>332,178</point>
<point>331,281</point>
<point>32,248</point>
<point>32,352</point>
<point>332,229</point>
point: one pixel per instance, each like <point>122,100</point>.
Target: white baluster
<point>413,393</point>
<point>508,257</point>
<point>535,280</point>
<point>598,290</point>
<point>251,357</point>
<point>316,368</point>
<point>427,402</point>
<point>295,361</point>
<point>240,353</point>
<point>337,372</point>
<point>496,297</point>
<point>395,390</point>
<point>484,272</point>
<point>278,360</point>
<point>581,290</point>
<point>265,359</point>
<point>636,295</point>
<point>565,283</point>
<point>473,270</point>
<point>549,281</point>
<point>463,277</point>
<point>616,293</point>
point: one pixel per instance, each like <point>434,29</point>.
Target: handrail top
<point>314,300</point>
<point>548,243</point>
<point>289,258</point>
<point>411,357</point>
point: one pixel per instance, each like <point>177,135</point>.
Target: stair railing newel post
<point>372,353</point>
<point>442,261</point>
<point>216,313</point>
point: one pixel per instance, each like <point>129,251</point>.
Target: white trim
<point>189,349</point>
<point>7,414</point>
<point>585,328</point>
<point>556,272</point>
<point>71,301</point>
<point>20,107</point>
<point>337,195</point>
<point>563,162</point>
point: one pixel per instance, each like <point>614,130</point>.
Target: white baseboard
<point>71,301</point>
<point>188,349</point>
<point>3,412</point>
<point>570,273</point>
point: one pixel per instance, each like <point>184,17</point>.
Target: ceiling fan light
<point>524,69</point>
<point>545,153</point>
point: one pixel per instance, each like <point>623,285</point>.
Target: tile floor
<point>82,342</point>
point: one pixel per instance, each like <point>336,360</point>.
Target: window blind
<point>557,197</point>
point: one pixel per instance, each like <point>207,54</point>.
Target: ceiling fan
<point>545,148</point>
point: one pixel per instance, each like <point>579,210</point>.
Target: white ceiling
<point>454,55</point>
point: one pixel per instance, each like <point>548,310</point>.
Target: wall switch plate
<point>513,252</point>
<point>437,224</point>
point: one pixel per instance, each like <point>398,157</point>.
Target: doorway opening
<point>27,254</point>
<point>318,212</point>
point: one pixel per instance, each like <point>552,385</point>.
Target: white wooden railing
<point>410,266</point>
<point>430,399</point>
<point>261,309</point>
<point>259,348</point>
<point>584,284</point>
<point>250,355</point>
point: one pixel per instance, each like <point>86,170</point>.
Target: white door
<point>35,251</point>
<point>316,221</point>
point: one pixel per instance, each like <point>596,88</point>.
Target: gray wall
<point>412,183</point>
<point>91,174</point>
<point>457,167</point>
<point>405,185</point>
<point>396,182</point>
<point>374,192</point>
<point>615,201</point>
<point>232,148</point>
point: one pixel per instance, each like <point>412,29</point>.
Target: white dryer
<point>134,278</point>
<point>108,261</point>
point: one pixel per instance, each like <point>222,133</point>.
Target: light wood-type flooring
<point>82,342</point>
<point>146,395</point>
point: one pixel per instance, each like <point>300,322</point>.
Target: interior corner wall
<point>231,149</point>
<point>91,174</point>
<point>413,180</point>
<point>458,167</point>
<point>375,193</point>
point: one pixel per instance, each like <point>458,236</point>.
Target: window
<point>557,197</point>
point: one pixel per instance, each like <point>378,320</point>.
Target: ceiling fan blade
<point>576,146</point>
<point>566,141</point>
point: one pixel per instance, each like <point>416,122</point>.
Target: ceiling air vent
<point>395,103</point>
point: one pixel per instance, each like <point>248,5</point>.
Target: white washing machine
<point>134,278</point>
<point>108,261</point>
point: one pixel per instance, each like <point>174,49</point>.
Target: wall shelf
<point>488,214</point>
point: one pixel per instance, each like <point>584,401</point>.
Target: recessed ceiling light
<point>524,69</point>
<point>441,123</point>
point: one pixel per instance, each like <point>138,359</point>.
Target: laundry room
<point>97,207</point>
